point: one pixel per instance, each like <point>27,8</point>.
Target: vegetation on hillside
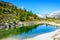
<point>10,13</point>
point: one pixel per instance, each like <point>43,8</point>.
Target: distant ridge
<point>55,14</point>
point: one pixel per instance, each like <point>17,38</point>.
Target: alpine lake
<point>27,31</point>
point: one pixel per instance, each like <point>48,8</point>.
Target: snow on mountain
<point>55,14</point>
<point>41,16</point>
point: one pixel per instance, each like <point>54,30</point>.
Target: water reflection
<point>11,32</point>
<point>28,31</point>
<point>40,29</point>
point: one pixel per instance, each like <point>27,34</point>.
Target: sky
<point>37,6</point>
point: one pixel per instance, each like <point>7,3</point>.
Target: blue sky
<point>37,6</point>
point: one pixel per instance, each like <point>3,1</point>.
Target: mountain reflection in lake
<point>31,32</point>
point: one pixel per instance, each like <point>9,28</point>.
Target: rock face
<point>7,25</point>
<point>1,26</point>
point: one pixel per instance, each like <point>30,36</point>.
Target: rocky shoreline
<point>20,24</point>
<point>15,24</point>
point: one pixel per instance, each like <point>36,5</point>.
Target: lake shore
<point>47,36</point>
<point>50,23</point>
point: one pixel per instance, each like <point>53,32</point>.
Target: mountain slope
<point>10,13</point>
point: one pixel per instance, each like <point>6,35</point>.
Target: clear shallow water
<point>40,29</point>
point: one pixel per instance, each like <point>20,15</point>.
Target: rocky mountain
<point>55,14</point>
